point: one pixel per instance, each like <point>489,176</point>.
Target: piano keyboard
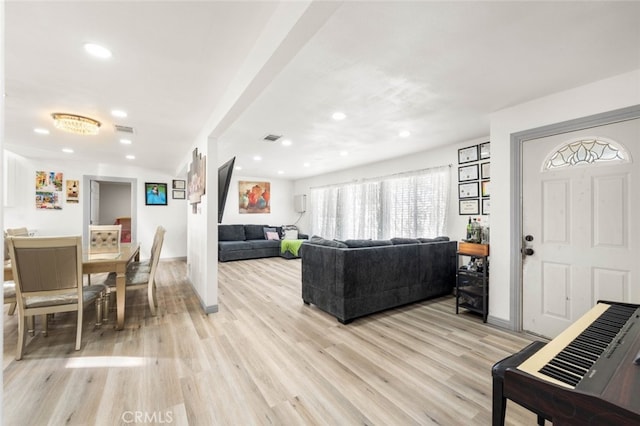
<point>571,356</point>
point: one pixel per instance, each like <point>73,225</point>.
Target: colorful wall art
<point>254,197</point>
<point>49,190</point>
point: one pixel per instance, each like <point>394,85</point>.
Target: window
<point>409,205</point>
<point>585,152</point>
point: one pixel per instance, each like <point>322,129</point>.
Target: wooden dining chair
<point>141,277</point>
<point>145,265</point>
<point>48,276</point>
<point>9,287</point>
<point>104,238</point>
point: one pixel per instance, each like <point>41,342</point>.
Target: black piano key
<point>579,352</point>
<point>561,375</point>
<point>572,368</point>
<point>596,345</point>
<point>585,348</point>
<point>595,337</point>
<point>576,360</point>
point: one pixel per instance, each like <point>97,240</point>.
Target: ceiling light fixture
<point>119,113</point>
<point>280,172</point>
<point>404,134</point>
<point>130,157</point>
<point>125,141</point>
<point>238,168</point>
<point>257,158</point>
<point>67,150</point>
<point>41,131</point>
<point>76,123</point>
<point>306,164</point>
<point>343,153</point>
<point>286,142</point>
<point>339,116</point>
<point>97,51</point>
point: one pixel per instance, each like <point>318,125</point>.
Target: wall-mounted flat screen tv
<point>224,180</point>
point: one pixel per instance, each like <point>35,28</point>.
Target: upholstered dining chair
<point>48,276</point>
<point>9,287</point>
<point>104,238</point>
<point>145,265</point>
<point>141,277</point>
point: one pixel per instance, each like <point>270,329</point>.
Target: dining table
<point>94,263</point>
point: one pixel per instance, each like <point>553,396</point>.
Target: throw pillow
<point>272,235</point>
<point>267,230</point>
<point>231,233</point>
<point>366,243</point>
<point>291,234</point>
<point>329,243</point>
<point>397,241</point>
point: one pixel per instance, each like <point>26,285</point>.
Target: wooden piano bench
<point>499,399</point>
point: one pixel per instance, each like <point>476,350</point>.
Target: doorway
<point>579,236</point>
<point>110,199</point>
<point>560,274</point>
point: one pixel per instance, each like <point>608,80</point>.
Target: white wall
<point>446,155</point>
<point>69,219</point>
<point>282,212</point>
<point>602,96</point>
<point>202,233</point>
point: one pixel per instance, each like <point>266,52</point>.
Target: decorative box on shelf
<point>473,249</point>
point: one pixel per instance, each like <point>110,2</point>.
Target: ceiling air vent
<point>272,138</point>
<point>123,129</point>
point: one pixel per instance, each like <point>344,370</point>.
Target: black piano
<point>588,375</point>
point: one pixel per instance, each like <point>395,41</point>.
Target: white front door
<point>581,224</point>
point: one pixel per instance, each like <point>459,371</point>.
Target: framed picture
<point>486,188</point>
<point>155,194</point>
<point>467,155</point>
<point>179,194</point>
<point>486,206</point>
<point>469,206</point>
<point>254,197</point>
<point>485,150</point>
<point>468,173</point>
<point>468,190</point>
<point>485,170</point>
<point>179,184</point>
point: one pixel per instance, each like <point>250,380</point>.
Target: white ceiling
<point>436,69</point>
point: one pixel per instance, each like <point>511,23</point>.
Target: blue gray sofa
<point>241,242</point>
<point>354,278</point>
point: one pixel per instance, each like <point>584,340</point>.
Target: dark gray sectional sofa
<point>350,279</point>
<point>240,242</point>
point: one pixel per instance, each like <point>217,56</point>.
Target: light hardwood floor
<point>264,358</point>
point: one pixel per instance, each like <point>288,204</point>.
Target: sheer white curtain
<point>408,205</point>
<point>416,205</point>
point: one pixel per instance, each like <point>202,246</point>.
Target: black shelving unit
<point>472,284</point>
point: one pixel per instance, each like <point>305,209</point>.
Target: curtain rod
<point>410,172</point>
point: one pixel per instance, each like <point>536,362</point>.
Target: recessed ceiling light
<point>404,134</point>
<point>306,164</point>
<point>119,113</point>
<point>344,153</point>
<point>41,131</point>
<point>280,172</point>
<point>130,157</point>
<point>67,150</point>
<point>286,142</point>
<point>339,116</point>
<point>257,158</point>
<point>238,167</point>
<point>97,50</point>
<point>126,141</point>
